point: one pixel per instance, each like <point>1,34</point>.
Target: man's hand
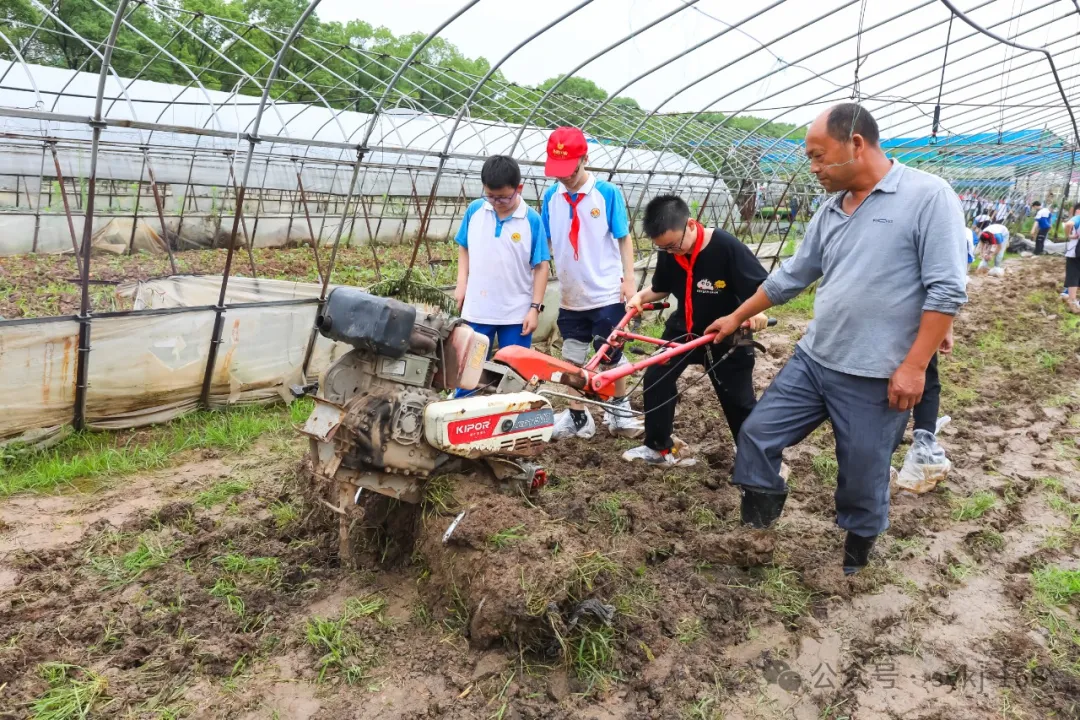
<point>906,387</point>
<point>531,321</point>
<point>629,289</point>
<point>946,344</point>
<point>459,297</point>
<point>723,327</point>
<point>759,322</point>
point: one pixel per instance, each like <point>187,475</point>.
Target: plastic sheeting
<point>37,376</point>
<point>68,92</point>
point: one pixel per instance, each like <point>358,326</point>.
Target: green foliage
<point>73,692</point>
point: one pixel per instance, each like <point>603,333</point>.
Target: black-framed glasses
<point>500,199</point>
<point>672,249</point>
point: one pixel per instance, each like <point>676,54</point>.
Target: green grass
<point>284,514</point>
<point>826,468</point>
<point>606,511</point>
<point>505,538</point>
<point>587,568</point>
<point>689,630</point>
<point>591,654</point>
<point>439,496</point>
<point>342,650</point>
<point>221,492</point>
<point>703,518</point>
<point>799,307</point>
<point>268,569</point>
<point>73,693</point>
<point>959,571</point>
<point>787,595</point>
<point>147,555</point>
<point>89,454</point>
<point>973,506</point>
<point>226,589</point>
<point>364,606</point>
<point>1057,586</point>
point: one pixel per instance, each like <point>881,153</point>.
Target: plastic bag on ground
<point>925,464</point>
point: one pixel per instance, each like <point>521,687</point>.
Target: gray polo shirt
<point>903,251</point>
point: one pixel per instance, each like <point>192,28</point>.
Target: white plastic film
<point>37,376</point>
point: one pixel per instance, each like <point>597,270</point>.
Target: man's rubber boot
<point>857,552</point>
<point>761,509</point>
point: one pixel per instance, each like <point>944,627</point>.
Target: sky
<point>732,72</point>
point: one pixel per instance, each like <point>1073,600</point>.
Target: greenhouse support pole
<point>158,202</point>
<point>1065,192</point>
<point>82,359</point>
<point>311,229</point>
<point>253,139</point>
<point>67,206</point>
<point>360,153</point>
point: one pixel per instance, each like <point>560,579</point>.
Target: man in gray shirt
<point>889,253</point>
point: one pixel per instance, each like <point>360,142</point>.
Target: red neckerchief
<point>575,221</point>
<point>687,264</point>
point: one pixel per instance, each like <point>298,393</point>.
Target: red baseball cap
<point>565,148</point>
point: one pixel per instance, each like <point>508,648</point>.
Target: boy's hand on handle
<point>531,321</point>
<point>724,326</point>
<point>628,289</point>
<point>459,297</point>
<point>637,301</point>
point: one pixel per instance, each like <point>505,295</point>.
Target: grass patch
<point>588,568</point>
<point>439,496</point>
<point>147,555</point>
<point>365,606</point>
<point>1054,589</point>
<point>73,693</point>
<point>689,630</point>
<point>703,518</point>
<point>343,653</point>
<point>974,506</point>
<point>958,571</point>
<point>591,655</point>
<point>1056,586</point>
<point>801,306</point>
<point>268,569</point>
<point>226,589</point>
<point>826,468</point>
<point>636,599</point>
<point>608,512</point>
<point>284,514</point>
<point>221,492</point>
<point>507,537</point>
<point>788,596</point>
<point>90,454</point>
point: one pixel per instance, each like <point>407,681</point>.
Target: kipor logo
<point>471,430</point>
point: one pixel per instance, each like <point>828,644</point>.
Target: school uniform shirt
<point>1042,219</point>
<point>502,255</point>
<point>1074,238</point>
<point>593,279</point>
<point>1000,233</point>
<point>726,274</point>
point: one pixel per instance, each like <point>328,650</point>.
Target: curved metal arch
<point>626,38</point>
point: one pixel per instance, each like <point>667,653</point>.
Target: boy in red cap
<point>587,223</point>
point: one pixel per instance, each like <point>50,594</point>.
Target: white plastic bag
<point>925,464</point>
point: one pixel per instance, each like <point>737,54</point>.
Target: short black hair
<point>500,171</point>
<point>665,213</point>
<point>1076,207</point>
<point>848,119</point>
<point>1036,204</point>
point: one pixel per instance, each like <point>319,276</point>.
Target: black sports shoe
<point>761,509</point>
<point>857,552</point>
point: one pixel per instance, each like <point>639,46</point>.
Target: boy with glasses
<point>502,259</point>
<point>710,273</point>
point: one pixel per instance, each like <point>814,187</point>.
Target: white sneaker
<point>565,427</point>
<point>997,272</point>
<point>672,459</point>
<point>623,422</point>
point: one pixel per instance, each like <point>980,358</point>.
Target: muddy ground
<point>213,589</point>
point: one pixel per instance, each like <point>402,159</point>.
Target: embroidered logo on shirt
<point>516,237</point>
<point>720,284</point>
<point>595,212</point>
<point>887,221</point>
<point>705,285</point>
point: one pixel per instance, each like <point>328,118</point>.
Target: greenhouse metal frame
<point>338,144</point>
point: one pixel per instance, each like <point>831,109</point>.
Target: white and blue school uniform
<point>590,277</point>
<point>502,255</point>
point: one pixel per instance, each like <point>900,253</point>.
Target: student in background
<point>1041,228</point>
<point>502,259</point>
<point>993,239</point>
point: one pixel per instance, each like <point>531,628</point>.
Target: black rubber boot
<point>761,509</point>
<point>857,552</point>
